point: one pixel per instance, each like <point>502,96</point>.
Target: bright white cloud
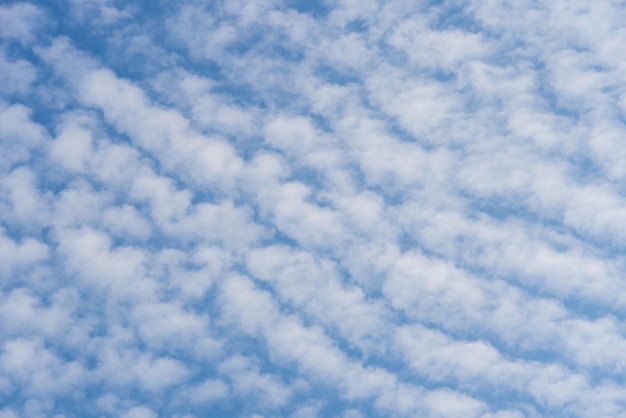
<point>311,209</point>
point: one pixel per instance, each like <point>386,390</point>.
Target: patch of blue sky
<point>319,9</point>
<point>339,76</point>
<point>452,16</point>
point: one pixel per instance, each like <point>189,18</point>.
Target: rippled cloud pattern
<point>332,208</point>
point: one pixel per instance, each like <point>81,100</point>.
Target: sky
<point>324,208</point>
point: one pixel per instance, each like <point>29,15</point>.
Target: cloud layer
<point>312,209</point>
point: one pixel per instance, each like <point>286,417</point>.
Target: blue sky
<point>312,209</point>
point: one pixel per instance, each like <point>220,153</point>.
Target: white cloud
<point>19,134</point>
<point>20,255</point>
<point>209,391</point>
<point>19,75</point>
<point>248,381</point>
<point>40,371</point>
<point>255,312</point>
<point>140,412</point>
<point>99,12</point>
<point>276,209</point>
<point>20,21</point>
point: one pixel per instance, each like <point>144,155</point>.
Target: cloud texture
<point>312,209</point>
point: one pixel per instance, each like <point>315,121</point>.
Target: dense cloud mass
<point>332,208</point>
